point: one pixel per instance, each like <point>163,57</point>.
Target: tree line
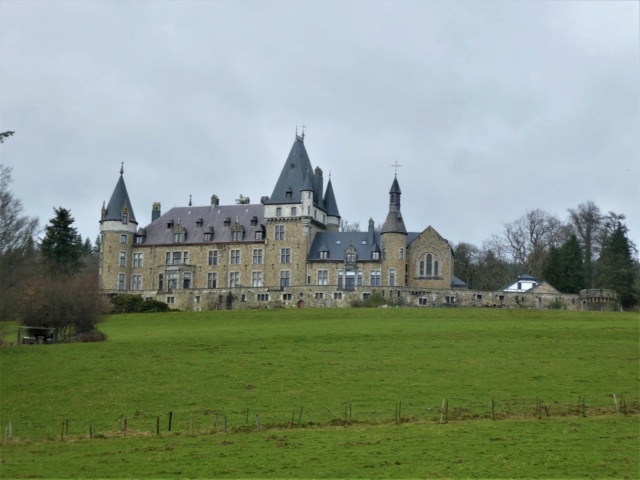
<point>52,282</point>
<point>588,249</point>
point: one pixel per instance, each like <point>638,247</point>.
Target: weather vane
<point>396,166</point>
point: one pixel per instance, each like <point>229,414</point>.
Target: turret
<point>394,241</point>
<point>118,226</point>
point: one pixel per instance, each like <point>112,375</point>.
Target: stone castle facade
<point>286,250</point>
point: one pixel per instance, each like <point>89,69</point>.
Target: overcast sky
<point>492,108</point>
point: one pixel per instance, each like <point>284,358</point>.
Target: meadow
<point>335,392</point>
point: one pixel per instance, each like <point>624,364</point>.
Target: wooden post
<point>158,425</point>
<point>62,432</point>
<point>125,427</point>
<point>442,412</point>
<point>170,419</point>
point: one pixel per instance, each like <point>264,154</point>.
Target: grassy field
<point>304,372</point>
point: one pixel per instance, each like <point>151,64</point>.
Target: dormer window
<point>288,194</point>
<point>324,255</point>
<point>170,224</point>
<point>236,236</point>
<point>208,234</point>
<point>254,221</point>
<point>199,222</point>
<point>259,234</point>
<point>227,221</point>
<point>375,255</point>
<point>178,237</point>
<point>350,257</point>
<point>125,218</point>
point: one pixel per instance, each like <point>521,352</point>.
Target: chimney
<point>155,211</point>
<point>215,201</point>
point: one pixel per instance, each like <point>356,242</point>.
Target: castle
<point>286,250</point>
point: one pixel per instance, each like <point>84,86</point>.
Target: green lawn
<point>315,366</point>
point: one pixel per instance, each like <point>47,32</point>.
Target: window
<point>429,265</point>
<point>123,259</point>
<point>137,260</point>
<point>259,235</point>
<point>196,299</point>
<point>171,299</point>
<point>366,296</point>
<point>319,295</point>
<point>172,279</point>
<point>185,258</point>
<point>401,253</point>
<point>285,255</point>
<point>384,253</point>
<point>236,236</point>
<point>337,295</point>
<point>375,278</point>
<point>278,211</point>
<point>340,278</point>
<point>186,280</point>
<point>294,211</point>
<point>360,278</point>
<point>285,277</point>
<point>138,239</point>
<point>177,258</point>
<point>160,281</point>
<point>125,218</point>
<point>392,277</point>
<point>323,277</point>
<point>136,282</point>
<point>351,257</point>
<point>235,257</point>
<point>375,255</point>
<point>421,269</point>
<point>123,239</point>
<point>286,297</point>
<point>213,257</point>
<point>121,281</point>
<point>256,279</point>
<point>178,237</point>
<point>167,258</point>
<point>212,280</point>
<point>279,232</point>
<point>324,255</point>
<point>234,279</point>
<point>435,268</point>
<point>207,236</point>
<point>262,297</point>
<point>257,256</point>
<point>479,296</point>
<point>422,302</point>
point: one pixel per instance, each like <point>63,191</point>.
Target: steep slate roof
<point>293,175</point>
<point>157,232</point>
<point>330,203</point>
<point>337,242</point>
<point>119,199</point>
<point>394,222</point>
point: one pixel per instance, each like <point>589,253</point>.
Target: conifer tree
<point>565,267</point>
<point>62,245</point>
<point>616,269</point>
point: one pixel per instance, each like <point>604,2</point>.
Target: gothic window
<point>435,268</point>
<point>421,269</point>
<point>429,265</point>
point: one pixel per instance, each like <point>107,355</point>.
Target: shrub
<point>127,303</point>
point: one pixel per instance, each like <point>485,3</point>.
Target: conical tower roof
<point>118,202</point>
<point>394,222</point>
<point>292,177</point>
<point>330,201</point>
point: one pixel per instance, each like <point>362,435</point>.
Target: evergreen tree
<point>62,245</point>
<point>616,268</point>
<point>565,267</point>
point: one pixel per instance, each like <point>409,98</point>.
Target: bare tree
<point>346,226</point>
<point>586,221</point>
<point>531,236</point>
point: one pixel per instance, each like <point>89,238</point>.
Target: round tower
<point>118,226</point>
<point>394,241</point>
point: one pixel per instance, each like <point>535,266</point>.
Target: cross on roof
<point>396,166</point>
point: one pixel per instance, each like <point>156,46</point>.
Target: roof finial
<point>296,131</point>
<point>396,166</point>
<point>189,199</point>
<point>121,168</point>
<point>303,127</point>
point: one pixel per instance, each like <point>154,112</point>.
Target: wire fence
<point>212,421</point>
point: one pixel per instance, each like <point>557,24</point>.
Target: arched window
<point>435,268</point>
<point>429,264</point>
<point>421,268</point>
